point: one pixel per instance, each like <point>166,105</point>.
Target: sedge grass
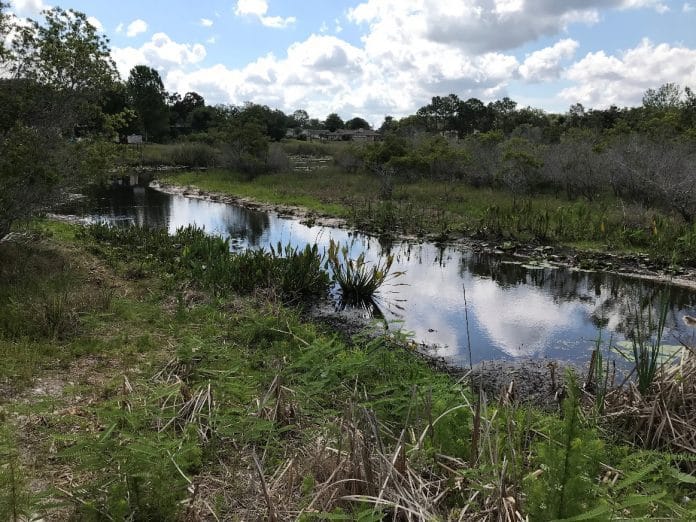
<point>357,278</point>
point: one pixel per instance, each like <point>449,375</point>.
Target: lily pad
<point>668,352</point>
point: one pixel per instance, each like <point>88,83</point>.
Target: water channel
<point>473,306</point>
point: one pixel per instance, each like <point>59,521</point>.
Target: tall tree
<point>666,97</point>
<point>59,72</point>
<point>301,118</point>
<point>334,122</point>
<point>357,123</point>
<point>148,98</point>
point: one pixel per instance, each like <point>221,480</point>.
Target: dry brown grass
<point>665,416</point>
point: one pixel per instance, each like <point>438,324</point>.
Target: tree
<point>181,108</point>
<point>4,29</point>
<point>300,118</point>
<point>388,125</point>
<point>666,97</point>
<point>334,122</point>
<point>520,165</point>
<point>472,115</point>
<point>66,53</point>
<point>273,123</point>
<point>357,123</point>
<point>503,114</point>
<point>147,96</point>
<point>59,72</point>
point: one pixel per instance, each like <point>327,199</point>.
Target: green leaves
<point>358,279</point>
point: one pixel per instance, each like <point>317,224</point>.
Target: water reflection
<point>513,311</point>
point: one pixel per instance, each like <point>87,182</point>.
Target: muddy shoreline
<point>537,380</point>
<point>639,266</point>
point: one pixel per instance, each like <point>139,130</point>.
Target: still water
<point>473,306</point>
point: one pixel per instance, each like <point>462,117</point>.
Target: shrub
<point>194,155</point>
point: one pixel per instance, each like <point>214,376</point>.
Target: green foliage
<point>334,122</point>
<point>188,390</point>
<point>194,155</point>
<point>147,96</point>
<point>190,254</point>
<point>358,279</point>
<point>520,165</point>
<point>16,501</point>
<point>569,463</point>
<point>65,53</point>
<point>646,347</point>
<point>140,476</point>
<point>60,69</point>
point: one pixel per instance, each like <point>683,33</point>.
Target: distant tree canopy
<point>333,122</point>
<point>357,123</point>
<point>299,118</point>
<point>60,93</point>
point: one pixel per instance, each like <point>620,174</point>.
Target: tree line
<point>60,93</point>
<point>644,155</point>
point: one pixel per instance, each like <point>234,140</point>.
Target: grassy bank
<point>444,210</point>
<point>136,388</point>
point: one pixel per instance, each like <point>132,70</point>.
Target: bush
<point>194,155</point>
<point>278,160</point>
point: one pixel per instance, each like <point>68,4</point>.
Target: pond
<point>472,306</point>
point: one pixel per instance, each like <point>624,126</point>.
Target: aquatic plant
<point>357,278</point>
<point>205,260</point>
<point>647,348</point>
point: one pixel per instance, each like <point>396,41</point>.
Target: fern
<point>16,501</point>
<point>569,461</point>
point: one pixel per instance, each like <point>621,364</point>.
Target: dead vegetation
<point>663,418</point>
<point>237,410</point>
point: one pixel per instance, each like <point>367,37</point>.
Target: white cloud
<point>545,64</point>
<point>251,7</point>
<point>657,5</point>
<point>95,23</point>
<point>602,80</point>
<point>206,22</point>
<point>136,27</point>
<point>411,51</point>
<point>161,52</point>
<point>259,9</point>
<point>119,28</point>
<point>29,7</point>
<point>688,8</point>
<point>323,28</point>
<point>277,22</point>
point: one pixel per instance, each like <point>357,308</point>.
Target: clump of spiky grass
<point>357,278</point>
<point>647,349</point>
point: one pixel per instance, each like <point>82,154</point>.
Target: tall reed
<point>646,347</point>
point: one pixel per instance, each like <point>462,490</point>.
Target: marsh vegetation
<point>135,388</point>
<point>149,376</point>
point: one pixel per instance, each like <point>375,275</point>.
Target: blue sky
<point>371,58</point>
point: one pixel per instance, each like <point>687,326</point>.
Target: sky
<point>372,58</point>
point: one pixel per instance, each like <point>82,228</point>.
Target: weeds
<point>295,274</point>
<point>237,409</point>
<point>16,501</point>
<point>646,348</point>
<point>358,279</point>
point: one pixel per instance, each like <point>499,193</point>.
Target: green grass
<point>159,403</point>
<point>441,210</point>
<point>328,193</point>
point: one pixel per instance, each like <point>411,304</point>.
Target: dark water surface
<point>511,311</point>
